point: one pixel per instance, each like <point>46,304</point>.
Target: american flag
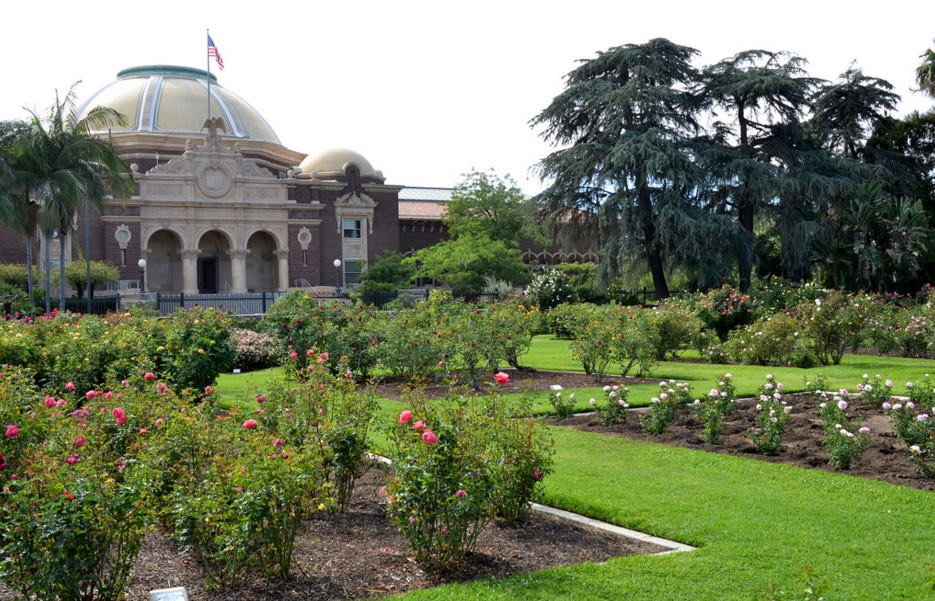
<point>213,51</point>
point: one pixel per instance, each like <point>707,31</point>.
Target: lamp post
<point>142,265</point>
<point>337,276</point>
<point>49,236</point>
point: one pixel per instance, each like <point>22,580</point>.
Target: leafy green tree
<point>626,120</point>
<point>463,263</point>
<point>484,203</point>
<point>757,90</point>
<point>102,274</point>
<point>387,274</point>
<point>60,164</point>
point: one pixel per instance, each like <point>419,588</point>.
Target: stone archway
<point>261,263</point>
<point>164,262</point>
<point>214,263</point>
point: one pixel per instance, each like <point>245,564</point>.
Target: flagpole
<point>208,63</point>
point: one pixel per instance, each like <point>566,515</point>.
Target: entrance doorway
<point>208,275</point>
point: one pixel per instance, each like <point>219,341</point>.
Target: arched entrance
<point>261,263</point>
<point>214,263</point>
<point>164,262</point>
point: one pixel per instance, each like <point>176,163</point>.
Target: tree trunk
<point>29,260</point>
<point>744,261</point>
<point>653,256</point>
<point>61,271</point>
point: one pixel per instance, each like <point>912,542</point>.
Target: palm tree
<point>61,164</point>
<point>16,208</point>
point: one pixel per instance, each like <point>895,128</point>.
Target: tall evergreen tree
<point>925,72</point>
<point>625,120</point>
<point>756,90</point>
<point>845,113</point>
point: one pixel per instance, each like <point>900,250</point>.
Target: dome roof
<point>332,164</point>
<point>173,100</point>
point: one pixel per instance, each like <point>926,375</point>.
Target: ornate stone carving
<point>177,166</point>
<point>305,238</point>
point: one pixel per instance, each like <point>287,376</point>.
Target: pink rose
<point>89,395</point>
<point>108,395</point>
<point>159,422</point>
<point>49,402</point>
<point>842,405</point>
<point>536,474</point>
<point>72,459</point>
<point>208,390</point>
<point>293,355</point>
<point>79,441</point>
<point>260,399</point>
<point>12,431</point>
<point>429,437</point>
<point>460,493</point>
<point>322,358</point>
<point>250,424</point>
<point>889,383</point>
<point>405,417</point>
<point>162,387</point>
<point>119,415</point>
<point>419,425</point>
<point>278,444</point>
<point>501,378</point>
<point>70,386</point>
<point>149,376</point>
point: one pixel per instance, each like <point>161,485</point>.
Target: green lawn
<point>755,522</point>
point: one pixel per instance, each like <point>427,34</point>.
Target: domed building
<point>221,205</point>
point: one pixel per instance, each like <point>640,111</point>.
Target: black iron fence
<point>248,303</point>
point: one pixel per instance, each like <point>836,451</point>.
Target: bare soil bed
<point>520,381</point>
<point>360,554</point>
<point>884,458</point>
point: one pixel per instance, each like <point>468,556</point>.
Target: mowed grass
<point>755,523</point>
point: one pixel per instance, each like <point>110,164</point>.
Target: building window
<point>304,258</point>
<point>352,228</point>
<point>352,271</point>
<point>123,257</point>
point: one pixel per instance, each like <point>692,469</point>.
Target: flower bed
<point>883,458</point>
<point>361,554</point>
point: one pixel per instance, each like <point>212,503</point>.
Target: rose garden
<point>364,453</point>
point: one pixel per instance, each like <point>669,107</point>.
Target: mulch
<point>884,457</point>
<point>520,381</point>
<point>361,554</point>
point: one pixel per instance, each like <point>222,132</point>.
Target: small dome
<point>174,100</point>
<point>332,164</point>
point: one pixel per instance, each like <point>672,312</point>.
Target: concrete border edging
<point>670,545</point>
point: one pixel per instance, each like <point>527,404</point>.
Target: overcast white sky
<point>428,90</point>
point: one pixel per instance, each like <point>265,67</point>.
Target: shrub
<point>770,341</point>
<point>636,342</point>
<point>594,339</point>
<point>724,309</point>
<point>673,397</point>
<point>255,350</point>
<point>327,412</point>
<point>844,439</point>
<point>450,464</point>
<point>339,329</point>
<point>550,288</point>
<point>914,424</point>
<point>874,391</point>
<point>198,347</point>
<point>772,417</point>
<point>563,406</point>
<point>834,324</point>
<point>676,327</point>
<point>78,488</point>
<point>711,411</point>
<point>613,409</point>
<point>567,319</point>
<point>417,343</point>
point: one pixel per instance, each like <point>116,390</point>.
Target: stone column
<point>190,271</point>
<point>238,270</point>
<point>282,259</point>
